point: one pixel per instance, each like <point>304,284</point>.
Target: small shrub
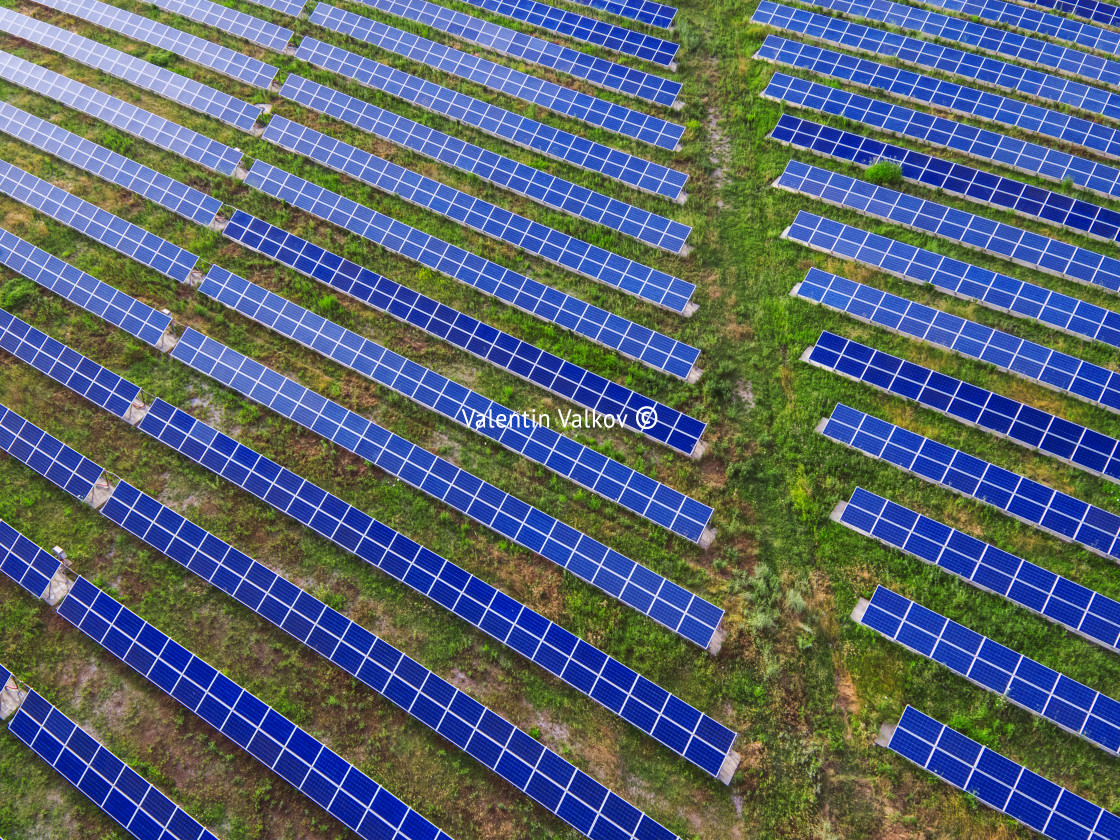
<point>884,172</point>
<point>17,293</point>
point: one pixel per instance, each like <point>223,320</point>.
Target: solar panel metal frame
<point>646,11</point>
<point>261,32</point>
<point>27,565</point>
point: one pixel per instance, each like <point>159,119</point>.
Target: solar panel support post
<point>11,696</point>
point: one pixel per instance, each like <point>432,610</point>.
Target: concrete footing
<point>136,412</point>
<point>730,765</point>
<point>861,607</point>
<point>99,495</point>
<point>11,696</point>
<point>58,587</point>
<point>694,375</point>
<point>885,735</point>
<point>717,640</point>
<point>706,538</point>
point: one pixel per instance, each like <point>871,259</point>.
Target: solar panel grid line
<point>115,788</point>
<point>979,186</point>
<point>998,782</point>
<point>539,186</point>
<point>124,116</point>
<point>978,143</point>
<point>543,369</point>
<point>1032,503</point>
<point>26,565</point>
<point>229,20</point>
<point>516,129</point>
<point>632,340</point>
<point>196,50</point>
<point>1005,241</point>
<point>551,245</point>
<point>115,168</point>
<point>646,11</point>
<point>618,119</point>
<point>1000,416</point>
<point>581,28</point>
<point>143,74</point>
<point>292,8</point>
<point>100,225</point>
<point>56,462</point>
<point>1091,10</point>
<point>604,476</point>
<point>1025,682</point>
<point>519,45</point>
<point>944,95</point>
<point>1080,610</point>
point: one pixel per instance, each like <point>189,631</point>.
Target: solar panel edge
<point>656,14</point>
<point>278,42</point>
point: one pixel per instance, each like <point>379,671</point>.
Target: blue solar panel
<point>1007,241</point>
<point>117,169</point>
<point>136,71</point>
<point>990,72</point>
<point>671,427</point>
<point>197,50</point>
<point>1059,371</point>
<point>26,564</point>
<point>655,14</point>
<point>1033,158</point>
<point>610,116</point>
<point>556,247</point>
<point>228,20</point>
<point>513,128</point>
<point>542,187</point>
<point>533,50</point>
<point>121,115</point>
<point>48,456</point>
<point>1092,10</point>
<point>999,782</point>
<point>114,787</point>
<point>1004,417</point>
<point>581,28</point>
<point>295,755</point>
<point>1078,609</point>
<point>100,225</point>
<point>602,475</point>
<point>1025,682</point>
<point>990,107</point>
<point>293,8</point>
<point>1028,501</point>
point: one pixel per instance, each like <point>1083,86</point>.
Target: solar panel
<point>542,187</point>
<point>990,107</point>
<point>1027,683</point>
<point>1001,416</point>
<point>609,116</point>
<point>112,231</point>
<point>1078,609</point>
<point>533,50</point>
<point>581,28</point>
<point>1049,368</point>
<point>1007,241</point>
<point>1032,158</point>
<point>506,125</point>
<point>27,565</point>
<point>138,72</point>
<point>117,169</point>
<point>990,72</point>
<point>121,310</point>
<point>552,245</point>
<point>677,430</point>
<point>602,475</point>
<point>1028,501</point>
<point>655,14</point>
<point>121,115</point>
<point>229,20</point>
<point>1087,9</point>
<point>999,782</point>
<point>294,8</point>
<point>639,343</point>
<point>976,185</point>
<point>196,50</point>
<point>114,787</point>
<point>53,460</point>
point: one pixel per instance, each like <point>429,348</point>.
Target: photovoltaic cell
<point>655,14</point>
<point>1024,681</point>
<point>1001,416</point>
<point>602,475</point>
<point>135,71</point>
<point>1093,10</point>
<point>533,50</point>
<point>1028,501</point>
<point>514,128</point>
<point>543,369</point>
<point>999,782</point>
<point>556,247</point>
<point>117,169</point>
<point>294,8</point>
<point>617,119</point>
<point>1059,599</point>
<point>114,787</point>
<point>542,187</point>
<point>229,20</point>
<point>582,28</point>
<point>1007,241</point>
<point>100,225</point>
<point>121,115</point>
<point>197,50</point>
<point>26,564</point>
<point>49,457</point>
